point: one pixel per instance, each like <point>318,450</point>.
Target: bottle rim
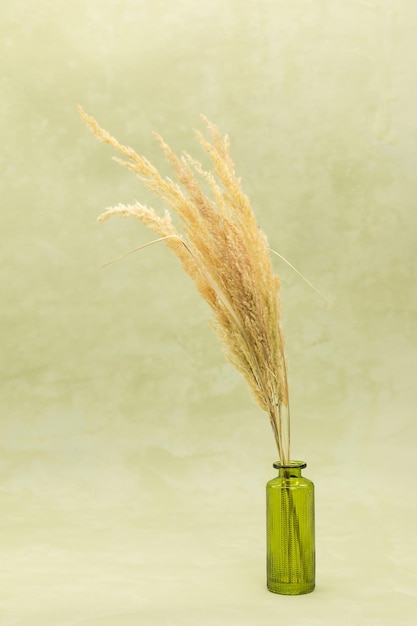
<point>290,465</point>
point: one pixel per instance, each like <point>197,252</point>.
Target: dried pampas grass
<point>219,244</point>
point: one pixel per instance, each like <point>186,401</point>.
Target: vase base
<point>290,589</point>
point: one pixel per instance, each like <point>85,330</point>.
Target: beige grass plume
<point>219,244</point>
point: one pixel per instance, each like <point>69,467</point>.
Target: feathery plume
<point>220,246</point>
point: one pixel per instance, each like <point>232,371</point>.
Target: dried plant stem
<point>219,244</point>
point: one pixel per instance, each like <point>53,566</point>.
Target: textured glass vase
<point>290,531</point>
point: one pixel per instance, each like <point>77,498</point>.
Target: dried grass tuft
<point>221,247</point>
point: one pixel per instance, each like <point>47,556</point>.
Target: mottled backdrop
<point>133,460</point>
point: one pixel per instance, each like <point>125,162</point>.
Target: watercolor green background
<point>133,460</point>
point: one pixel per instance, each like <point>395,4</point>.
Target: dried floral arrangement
<point>219,244</point>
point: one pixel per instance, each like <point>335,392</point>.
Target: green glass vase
<point>290,531</point>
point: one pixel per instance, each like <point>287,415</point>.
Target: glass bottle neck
<point>289,472</point>
<point>291,469</point>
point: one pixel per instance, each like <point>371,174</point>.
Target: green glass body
<point>290,531</point>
